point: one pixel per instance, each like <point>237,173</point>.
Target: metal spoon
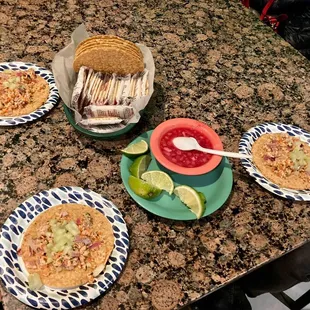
<point>189,143</point>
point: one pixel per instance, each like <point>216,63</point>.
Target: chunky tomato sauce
<point>188,159</point>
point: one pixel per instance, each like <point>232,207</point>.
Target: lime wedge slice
<point>202,197</point>
<point>138,148</point>
<point>191,199</point>
<point>143,189</point>
<point>140,165</point>
<point>159,179</point>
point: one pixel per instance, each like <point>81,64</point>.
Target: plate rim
<point>49,104</point>
<point>192,218</point>
<point>252,170</point>
<point>98,290</point>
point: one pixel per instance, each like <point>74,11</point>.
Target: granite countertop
<point>215,62</point>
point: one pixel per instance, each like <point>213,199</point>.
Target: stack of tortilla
<point>109,54</point>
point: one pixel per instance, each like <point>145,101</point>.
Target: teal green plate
<point>216,186</point>
<point>96,135</point>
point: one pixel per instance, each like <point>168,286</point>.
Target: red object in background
<point>246,3</point>
<point>272,21</point>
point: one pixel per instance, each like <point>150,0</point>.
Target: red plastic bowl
<point>166,126</point>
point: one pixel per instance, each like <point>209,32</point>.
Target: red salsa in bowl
<point>185,162</point>
<point>187,159</point>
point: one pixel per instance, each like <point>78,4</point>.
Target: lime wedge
<point>138,148</point>
<point>202,197</point>
<point>159,179</point>
<point>143,189</point>
<point>191,199</point>
<point>140,165</point>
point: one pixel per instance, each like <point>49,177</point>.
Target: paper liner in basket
<point>65,78</point>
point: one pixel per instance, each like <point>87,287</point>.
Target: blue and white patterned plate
<point>245,147</point>
<point>46,107</point>
<point>14,277</point>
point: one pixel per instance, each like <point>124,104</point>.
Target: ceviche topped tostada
<point>21,92</point>
<point>283,159</point>
<point>66,246</point>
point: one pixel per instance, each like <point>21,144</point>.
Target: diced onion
<point>34,281</point>
<point>98,270</point>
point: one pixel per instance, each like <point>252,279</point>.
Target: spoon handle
<point>223,153</point>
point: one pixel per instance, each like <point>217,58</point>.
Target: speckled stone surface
<point>215,62</point>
